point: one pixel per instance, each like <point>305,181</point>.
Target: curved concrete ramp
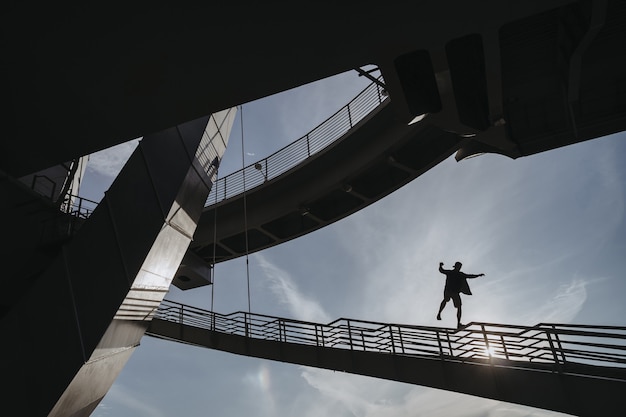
<point>376,157</point>
<point>574,369</point>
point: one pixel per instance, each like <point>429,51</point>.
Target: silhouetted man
<point>456,283</point>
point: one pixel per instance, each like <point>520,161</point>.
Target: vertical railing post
<point>393,345</point>
<point>350,335</point>
<point>401,341</point>
<point>558,342</point>
<point>212,321</point>
<point>439,343</point>
<point>349,115</point>
<point>308,145</point>
<point>363,340</point>
<point>506,352</point>
<point>80,207</point>
<point>181,314</point>
<point>317,339</point>
<point>245,323</point>
<point>487,347</point>
<point>552,349</point>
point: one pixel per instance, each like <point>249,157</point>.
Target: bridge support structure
<point>564,368</point>
<point>77,324</point>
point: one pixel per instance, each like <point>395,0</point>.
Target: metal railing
<point>268,168</point>
<point>77,206</point>
<point>316,140</point>
<point>545,343</point>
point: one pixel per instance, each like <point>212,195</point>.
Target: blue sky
<point>547,230</point>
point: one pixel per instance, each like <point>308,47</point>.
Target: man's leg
<point>441,307</point>
<point>456,299</point>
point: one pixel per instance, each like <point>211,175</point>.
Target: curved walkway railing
<point>313,142</point>
<point>545,343</point>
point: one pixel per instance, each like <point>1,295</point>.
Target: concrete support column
<point>77,326</point>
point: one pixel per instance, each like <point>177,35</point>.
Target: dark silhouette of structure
<point>490,76</point>
<point>456,283</point>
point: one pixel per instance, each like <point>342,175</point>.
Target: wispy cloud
<point>563,306</point>
<point>513,227</point>
<point>311,106</point>
<point>342,393</point>
<point>109,162</point>
<point>353,395</point>
<point>127,398</point>
<point>286,291</point>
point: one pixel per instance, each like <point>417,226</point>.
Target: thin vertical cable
<point>245,205</point>
<point>214,239</point>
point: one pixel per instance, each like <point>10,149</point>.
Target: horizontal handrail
<point>316,140</point>
<point>272,166</point>
<point>551,344</point>
<point>77,206</point>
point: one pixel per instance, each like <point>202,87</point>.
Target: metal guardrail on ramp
<point>544,343</point>
<point>569,368</point>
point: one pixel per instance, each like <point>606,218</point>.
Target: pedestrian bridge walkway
<point>574,369</point>
<point>356,157</point>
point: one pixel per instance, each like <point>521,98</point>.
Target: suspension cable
<point>214,241</point>
<point>245,206</point>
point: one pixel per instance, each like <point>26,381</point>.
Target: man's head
<point>457,266</point>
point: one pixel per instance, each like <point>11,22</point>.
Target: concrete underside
<point>74,323</point>
<point>78,80</point>
<point>376,157</point>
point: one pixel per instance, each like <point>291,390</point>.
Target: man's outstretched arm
<point>474,275</point>
<point>443,271</point>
